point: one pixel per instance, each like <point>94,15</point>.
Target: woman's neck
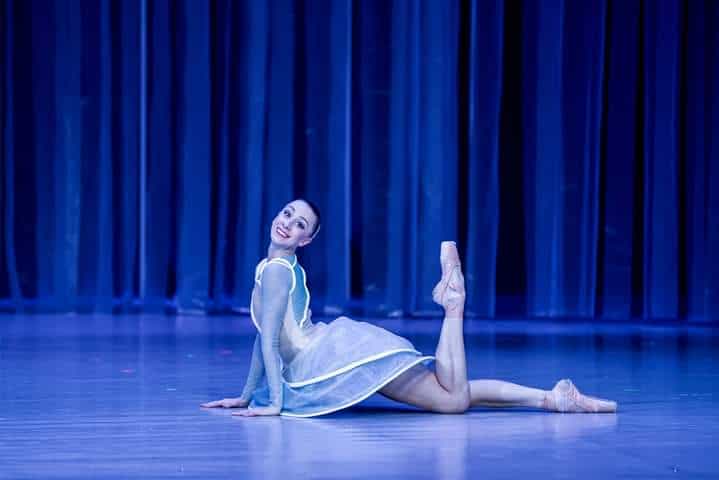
<point>274,251</point>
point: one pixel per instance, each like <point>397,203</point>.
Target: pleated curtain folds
<point>569,147</point>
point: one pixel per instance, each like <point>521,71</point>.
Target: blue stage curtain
<point>569,147</point>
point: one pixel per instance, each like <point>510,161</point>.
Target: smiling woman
<point>302,214</point>
<point>304,369</point>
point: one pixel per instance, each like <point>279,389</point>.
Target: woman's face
<point>293,225</point>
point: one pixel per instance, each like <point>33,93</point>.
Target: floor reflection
<point>117,397</point>
<point>384,439</point>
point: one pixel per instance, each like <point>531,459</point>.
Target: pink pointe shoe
<point>565,398</point>
<point>449,291</point>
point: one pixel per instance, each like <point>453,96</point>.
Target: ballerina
<point>301,368</point>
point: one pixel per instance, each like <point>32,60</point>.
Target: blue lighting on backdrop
<point>569,147</point>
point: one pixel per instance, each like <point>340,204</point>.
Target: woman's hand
<point>258,412</point>
<point>238,402</point>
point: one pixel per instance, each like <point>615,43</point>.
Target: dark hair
<point>316,210</point>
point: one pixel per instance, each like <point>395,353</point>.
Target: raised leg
<point>447,390</point>
<point>451,361</point>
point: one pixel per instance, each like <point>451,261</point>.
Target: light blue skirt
<point>345,364</point>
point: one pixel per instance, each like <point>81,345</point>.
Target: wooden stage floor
<point>93,396</point>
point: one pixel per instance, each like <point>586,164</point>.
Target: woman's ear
<point>305,242</point>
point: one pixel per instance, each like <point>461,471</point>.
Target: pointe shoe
<point>565,398</point>
<point>448,257</point>
<point>449,291</point>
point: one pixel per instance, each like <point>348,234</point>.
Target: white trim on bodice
<point>291,267</point>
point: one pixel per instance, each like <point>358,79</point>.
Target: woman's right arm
<point>257,369</point>
<point>275,289</point>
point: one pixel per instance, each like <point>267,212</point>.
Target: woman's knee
<point>458,402</point>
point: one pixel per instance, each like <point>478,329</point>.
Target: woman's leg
<point>451,361</point>
<point>421,388</point>
<point>498,393</point>
<point>447,389</point>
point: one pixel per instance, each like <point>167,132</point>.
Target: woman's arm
<point>275,291</point>
<point>257,369</point>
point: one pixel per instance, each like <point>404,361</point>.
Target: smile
<point>281,232</point>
